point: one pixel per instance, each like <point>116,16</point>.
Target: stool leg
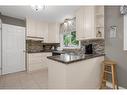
<point>104,79</point>
<point>113,78</point>
<point>102,74</point>
<point>103,83</point>
<point>116,81</point>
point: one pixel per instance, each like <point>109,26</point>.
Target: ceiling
<point>50,13</point>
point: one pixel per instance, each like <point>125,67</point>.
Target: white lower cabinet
<point>36,61</point>
<point>85,74</point>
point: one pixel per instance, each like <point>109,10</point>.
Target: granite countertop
<point>59,52</point>
<point>38,51</point>
<point>53,51</point>
<point>71,58</point>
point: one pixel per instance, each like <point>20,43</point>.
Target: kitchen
<point>66,48</point>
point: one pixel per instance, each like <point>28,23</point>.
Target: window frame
<point>69,47</point>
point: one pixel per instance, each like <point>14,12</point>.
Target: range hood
<point>35,38</point>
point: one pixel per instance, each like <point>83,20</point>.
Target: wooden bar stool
<point>109,69</point>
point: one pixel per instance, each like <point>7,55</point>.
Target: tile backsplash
<point>98,45</point>
<point>34,46</point>
<point>38,46</point>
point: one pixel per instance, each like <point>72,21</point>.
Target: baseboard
<point>109,84</point>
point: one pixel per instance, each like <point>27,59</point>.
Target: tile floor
<point>24,80</point>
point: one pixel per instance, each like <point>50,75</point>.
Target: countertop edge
<point>39,52</point>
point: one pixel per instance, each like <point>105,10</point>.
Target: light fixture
<point>67,22</point>
<point>38,7</point>
<point>69,25</point>
<point>123,10</point>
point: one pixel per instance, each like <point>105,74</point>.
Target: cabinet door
<point>39,29</point>
<point>57,33</point>
<point>80,24</point>
<point>36,61</point>
<point>30,27</point>
<point>45,60</point>
<point>85,21</point>
<point>89,22</point>
<point>53,33</point>
<point>45,31</point>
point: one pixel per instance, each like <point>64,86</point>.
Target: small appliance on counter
<point>89,49</point>
<point>50,46</point>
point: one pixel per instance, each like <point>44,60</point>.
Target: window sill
<point>71,47</point>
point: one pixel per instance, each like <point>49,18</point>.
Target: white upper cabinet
<point>41,28</point>
<point>53,32</point>
<point>85,23</point>
<point>86,20</point>
<point>48,31</point>
<point>80,33</point>
<point>30,24</point>
<point>99,21</point>
<point>44,31</point>
<point>89,22</point>
<point>37,28</point>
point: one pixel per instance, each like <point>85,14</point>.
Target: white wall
<point>114,46</point>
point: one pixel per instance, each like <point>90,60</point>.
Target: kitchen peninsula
<point>74,71</point>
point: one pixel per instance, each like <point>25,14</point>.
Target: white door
<point>0,49</point>
<point>13,46</point>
